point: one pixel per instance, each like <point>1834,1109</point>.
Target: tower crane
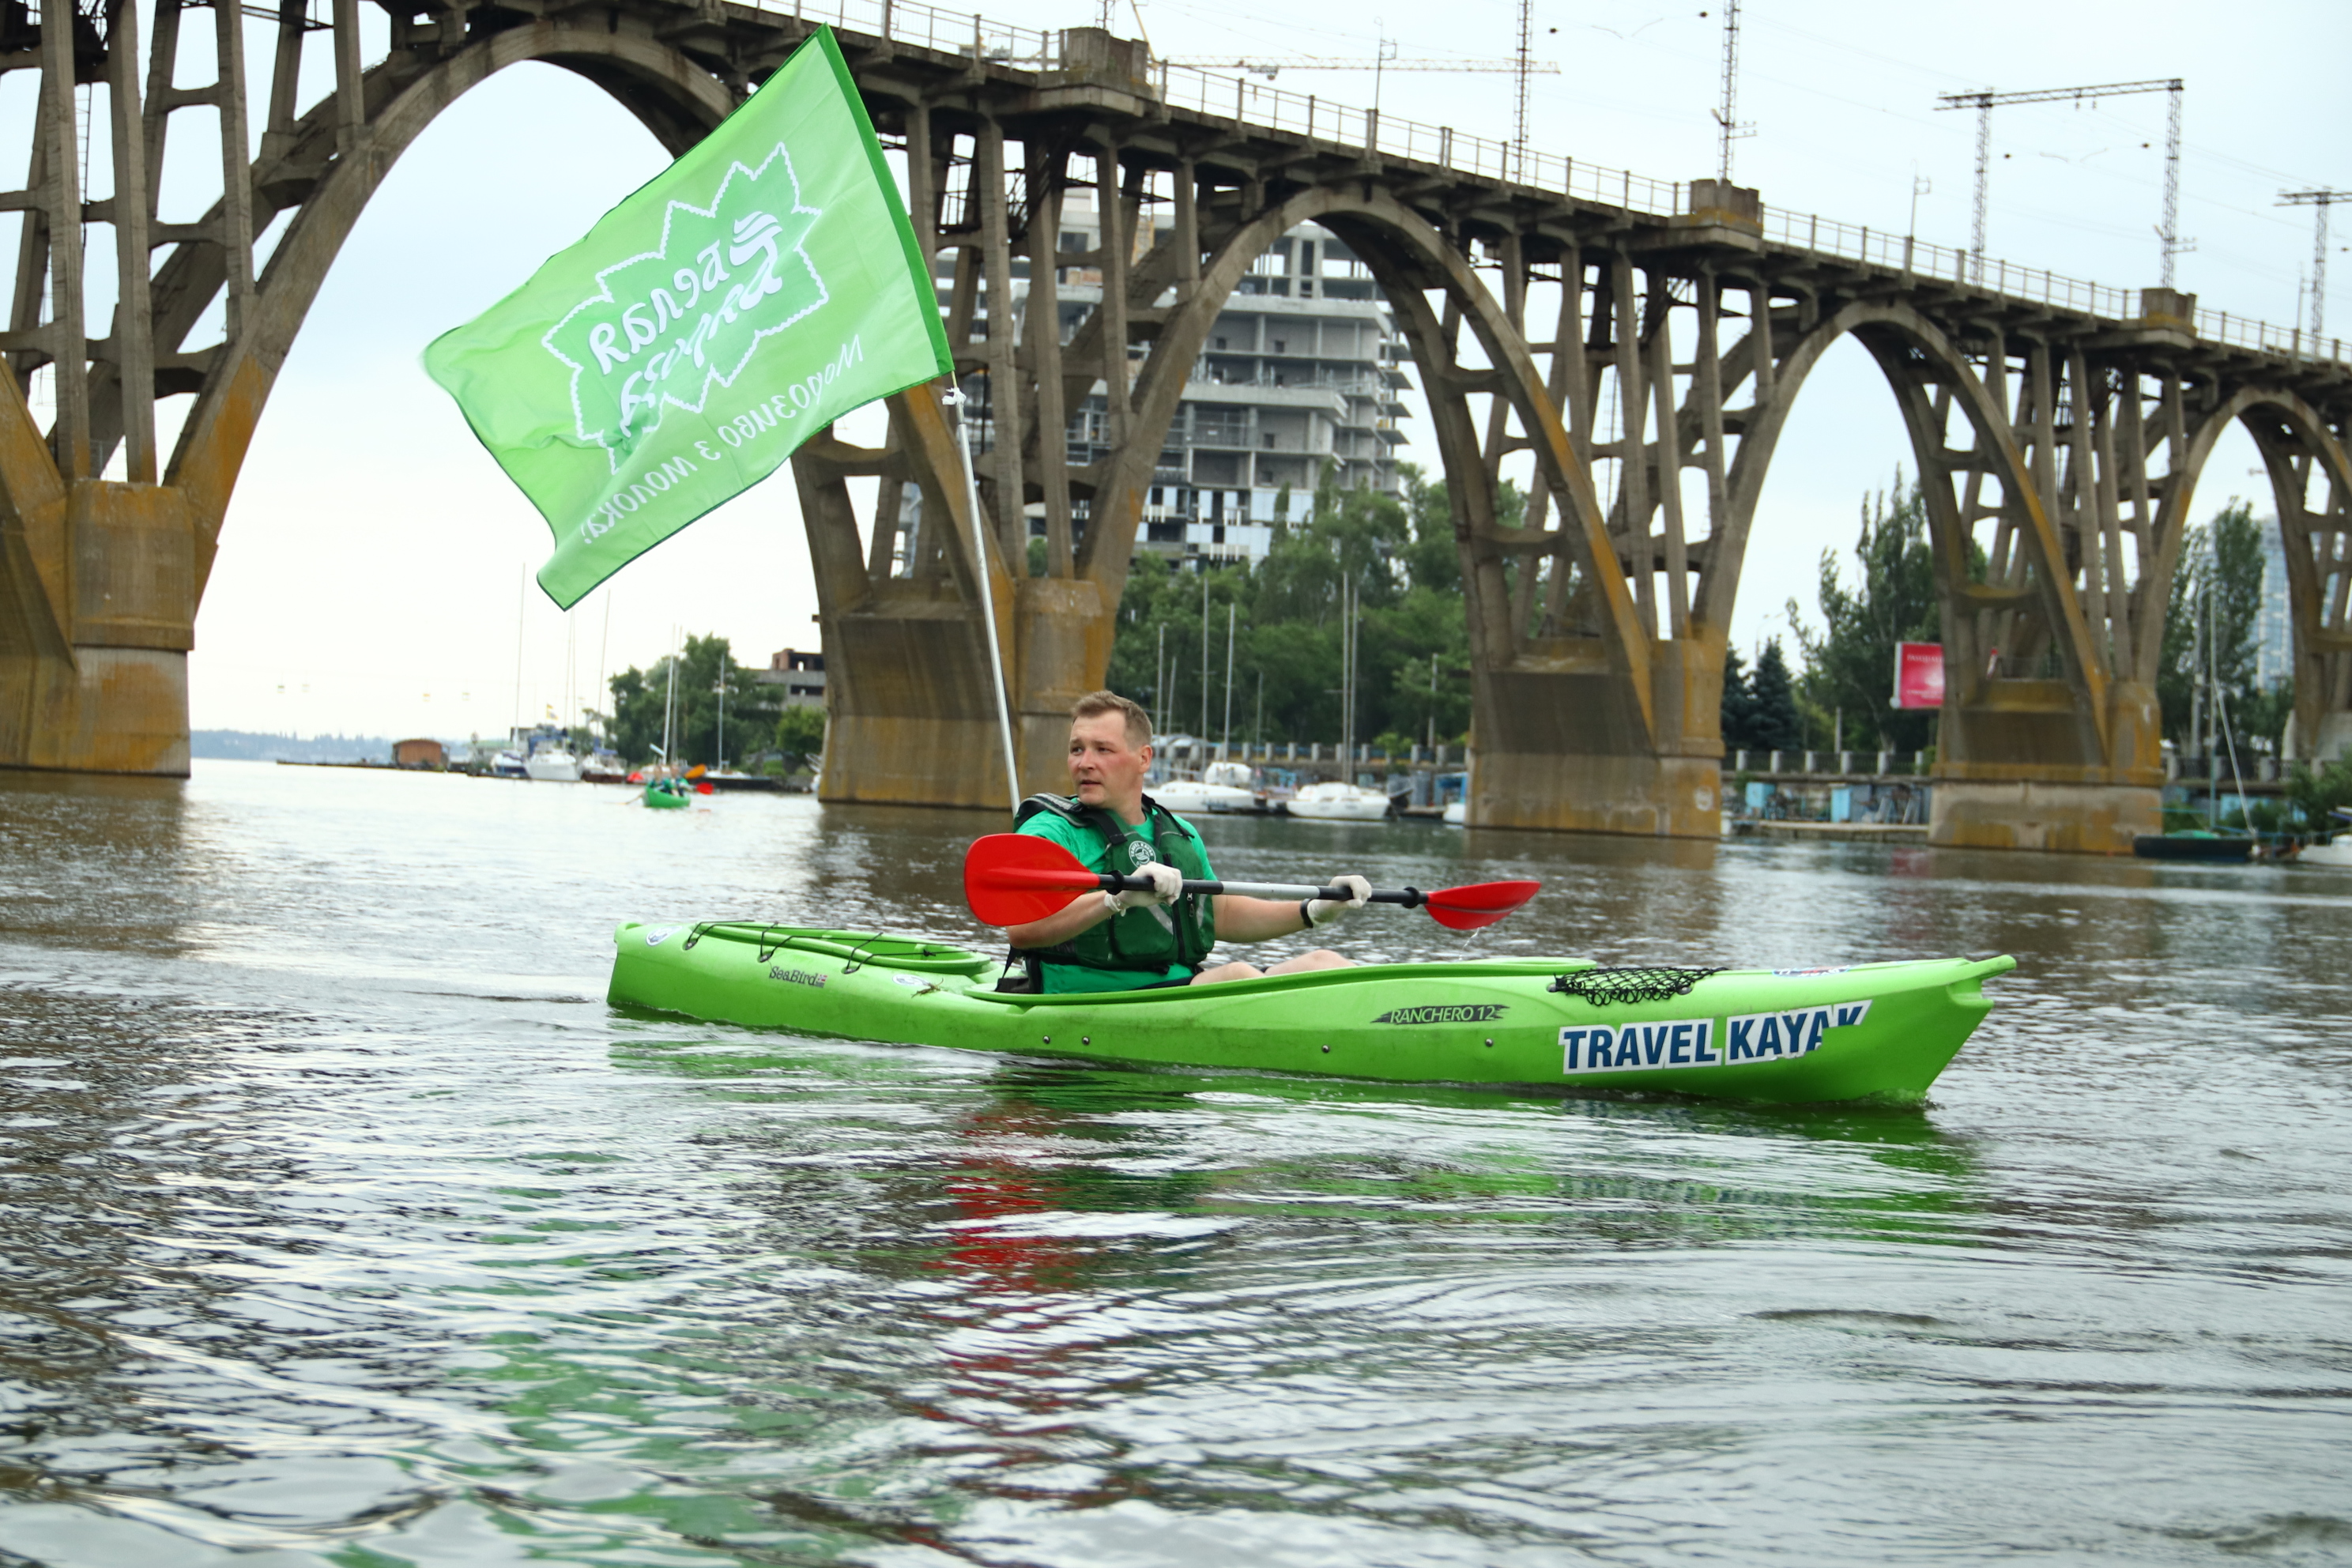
<point>1983,103</point>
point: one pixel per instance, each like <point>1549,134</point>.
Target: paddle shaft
<point>1411,898</point>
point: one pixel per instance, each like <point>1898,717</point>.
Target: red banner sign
<point>1919,675</point>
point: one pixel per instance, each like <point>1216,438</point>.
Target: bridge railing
<point>1261,103</point>
<point>2265,337</point>
<point>927,26</point>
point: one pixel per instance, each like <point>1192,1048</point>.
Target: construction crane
<point>1984,102</point>
<point>2323,200</point>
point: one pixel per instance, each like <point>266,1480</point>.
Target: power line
<point>2322,199</point>
<point>1984,101</point>
<point>1267,65</point>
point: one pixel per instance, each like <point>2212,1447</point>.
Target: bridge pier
<point>97,615</point>
<point>2021,768</point>
<point>2039,814</point>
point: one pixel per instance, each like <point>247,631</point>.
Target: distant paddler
<point>1161,935</point>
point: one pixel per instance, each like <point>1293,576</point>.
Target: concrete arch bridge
<point>1632,341</point>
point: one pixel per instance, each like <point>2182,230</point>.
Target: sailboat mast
<point>669,703</point>
<point>1205,652</point>
<point>1347,686</point>
<point>1226,744</point>
<point>603,652</point>
<point>522,600</point>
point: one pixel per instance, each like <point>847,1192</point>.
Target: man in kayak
<point>1155,936</point>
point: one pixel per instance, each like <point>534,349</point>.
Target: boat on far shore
<point>2335,854</point>
<point>1333,801</point>
<point>552,764</point>
<point>2195,844</point>
<point>1223,786</point>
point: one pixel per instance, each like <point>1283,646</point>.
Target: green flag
<point>757,289</point>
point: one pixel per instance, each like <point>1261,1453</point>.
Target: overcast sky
<point>373,571</point>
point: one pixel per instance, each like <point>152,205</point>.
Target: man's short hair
<point>1095,703</point>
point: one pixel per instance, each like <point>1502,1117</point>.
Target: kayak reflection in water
<point>1160,935</point>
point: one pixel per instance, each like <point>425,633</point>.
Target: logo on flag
<point>759,289</point>
<point>675,324</point>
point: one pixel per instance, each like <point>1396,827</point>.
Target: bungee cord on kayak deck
<point>1608,987</point>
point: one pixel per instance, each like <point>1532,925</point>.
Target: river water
<point>344,1224</point>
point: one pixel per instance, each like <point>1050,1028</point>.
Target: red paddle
<point>1011,878</point>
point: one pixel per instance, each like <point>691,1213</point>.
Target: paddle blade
<point>706,787</point>
<point>1480,904</point>
<point>1011,878</point>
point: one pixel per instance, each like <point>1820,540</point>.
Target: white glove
<point>1323,912</point>
<point>1167,887</point>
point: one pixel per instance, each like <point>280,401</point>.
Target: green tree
<point>799,734</point>
<point>1850,663</point>
<point>1738,711</point>
<point>2317,793</point>
<point>2210,608</point>
<point>1289,631</point>
<point>2264,712</point>
<point>1774,724</point>
<point>1415,654</point>
<point>1433,560</point>
<point>639,697</point>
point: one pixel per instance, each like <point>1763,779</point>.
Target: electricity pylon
<point>2323,200</point>
<point>1983,102</point>
<point>1726,116</point>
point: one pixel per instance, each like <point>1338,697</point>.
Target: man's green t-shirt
<point>1095,854</point>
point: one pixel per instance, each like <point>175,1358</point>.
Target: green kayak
<point>664,796</point>
<point>1870,1031</point>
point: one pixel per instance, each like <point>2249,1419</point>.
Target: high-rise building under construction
<point>1300,378</point>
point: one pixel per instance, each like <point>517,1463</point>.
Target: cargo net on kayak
<point>1608,987</point>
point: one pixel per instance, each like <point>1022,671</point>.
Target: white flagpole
<point>987,596</point>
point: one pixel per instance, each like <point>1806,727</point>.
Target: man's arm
<point>1082,913</point>
<point>1089,910</point>
<point>1242,919</point>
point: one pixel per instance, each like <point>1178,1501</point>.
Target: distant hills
<point>252,747</point>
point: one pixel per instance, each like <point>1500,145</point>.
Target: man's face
<point>1104,770</point>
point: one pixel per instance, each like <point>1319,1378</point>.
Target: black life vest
<point>1143,942</point>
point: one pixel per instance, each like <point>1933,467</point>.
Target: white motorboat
<point>553,765</point>
<point>2337,854</point>
<point>1331,801</point>
<point>1188,796</point>
<point>1225,787</point>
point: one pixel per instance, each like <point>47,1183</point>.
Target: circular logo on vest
<point>1140,853</point>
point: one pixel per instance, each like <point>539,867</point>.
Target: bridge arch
<point>1919,362</point>
<point>675,99</point>
<point>2298,447</point>
<point>1407,258</point>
